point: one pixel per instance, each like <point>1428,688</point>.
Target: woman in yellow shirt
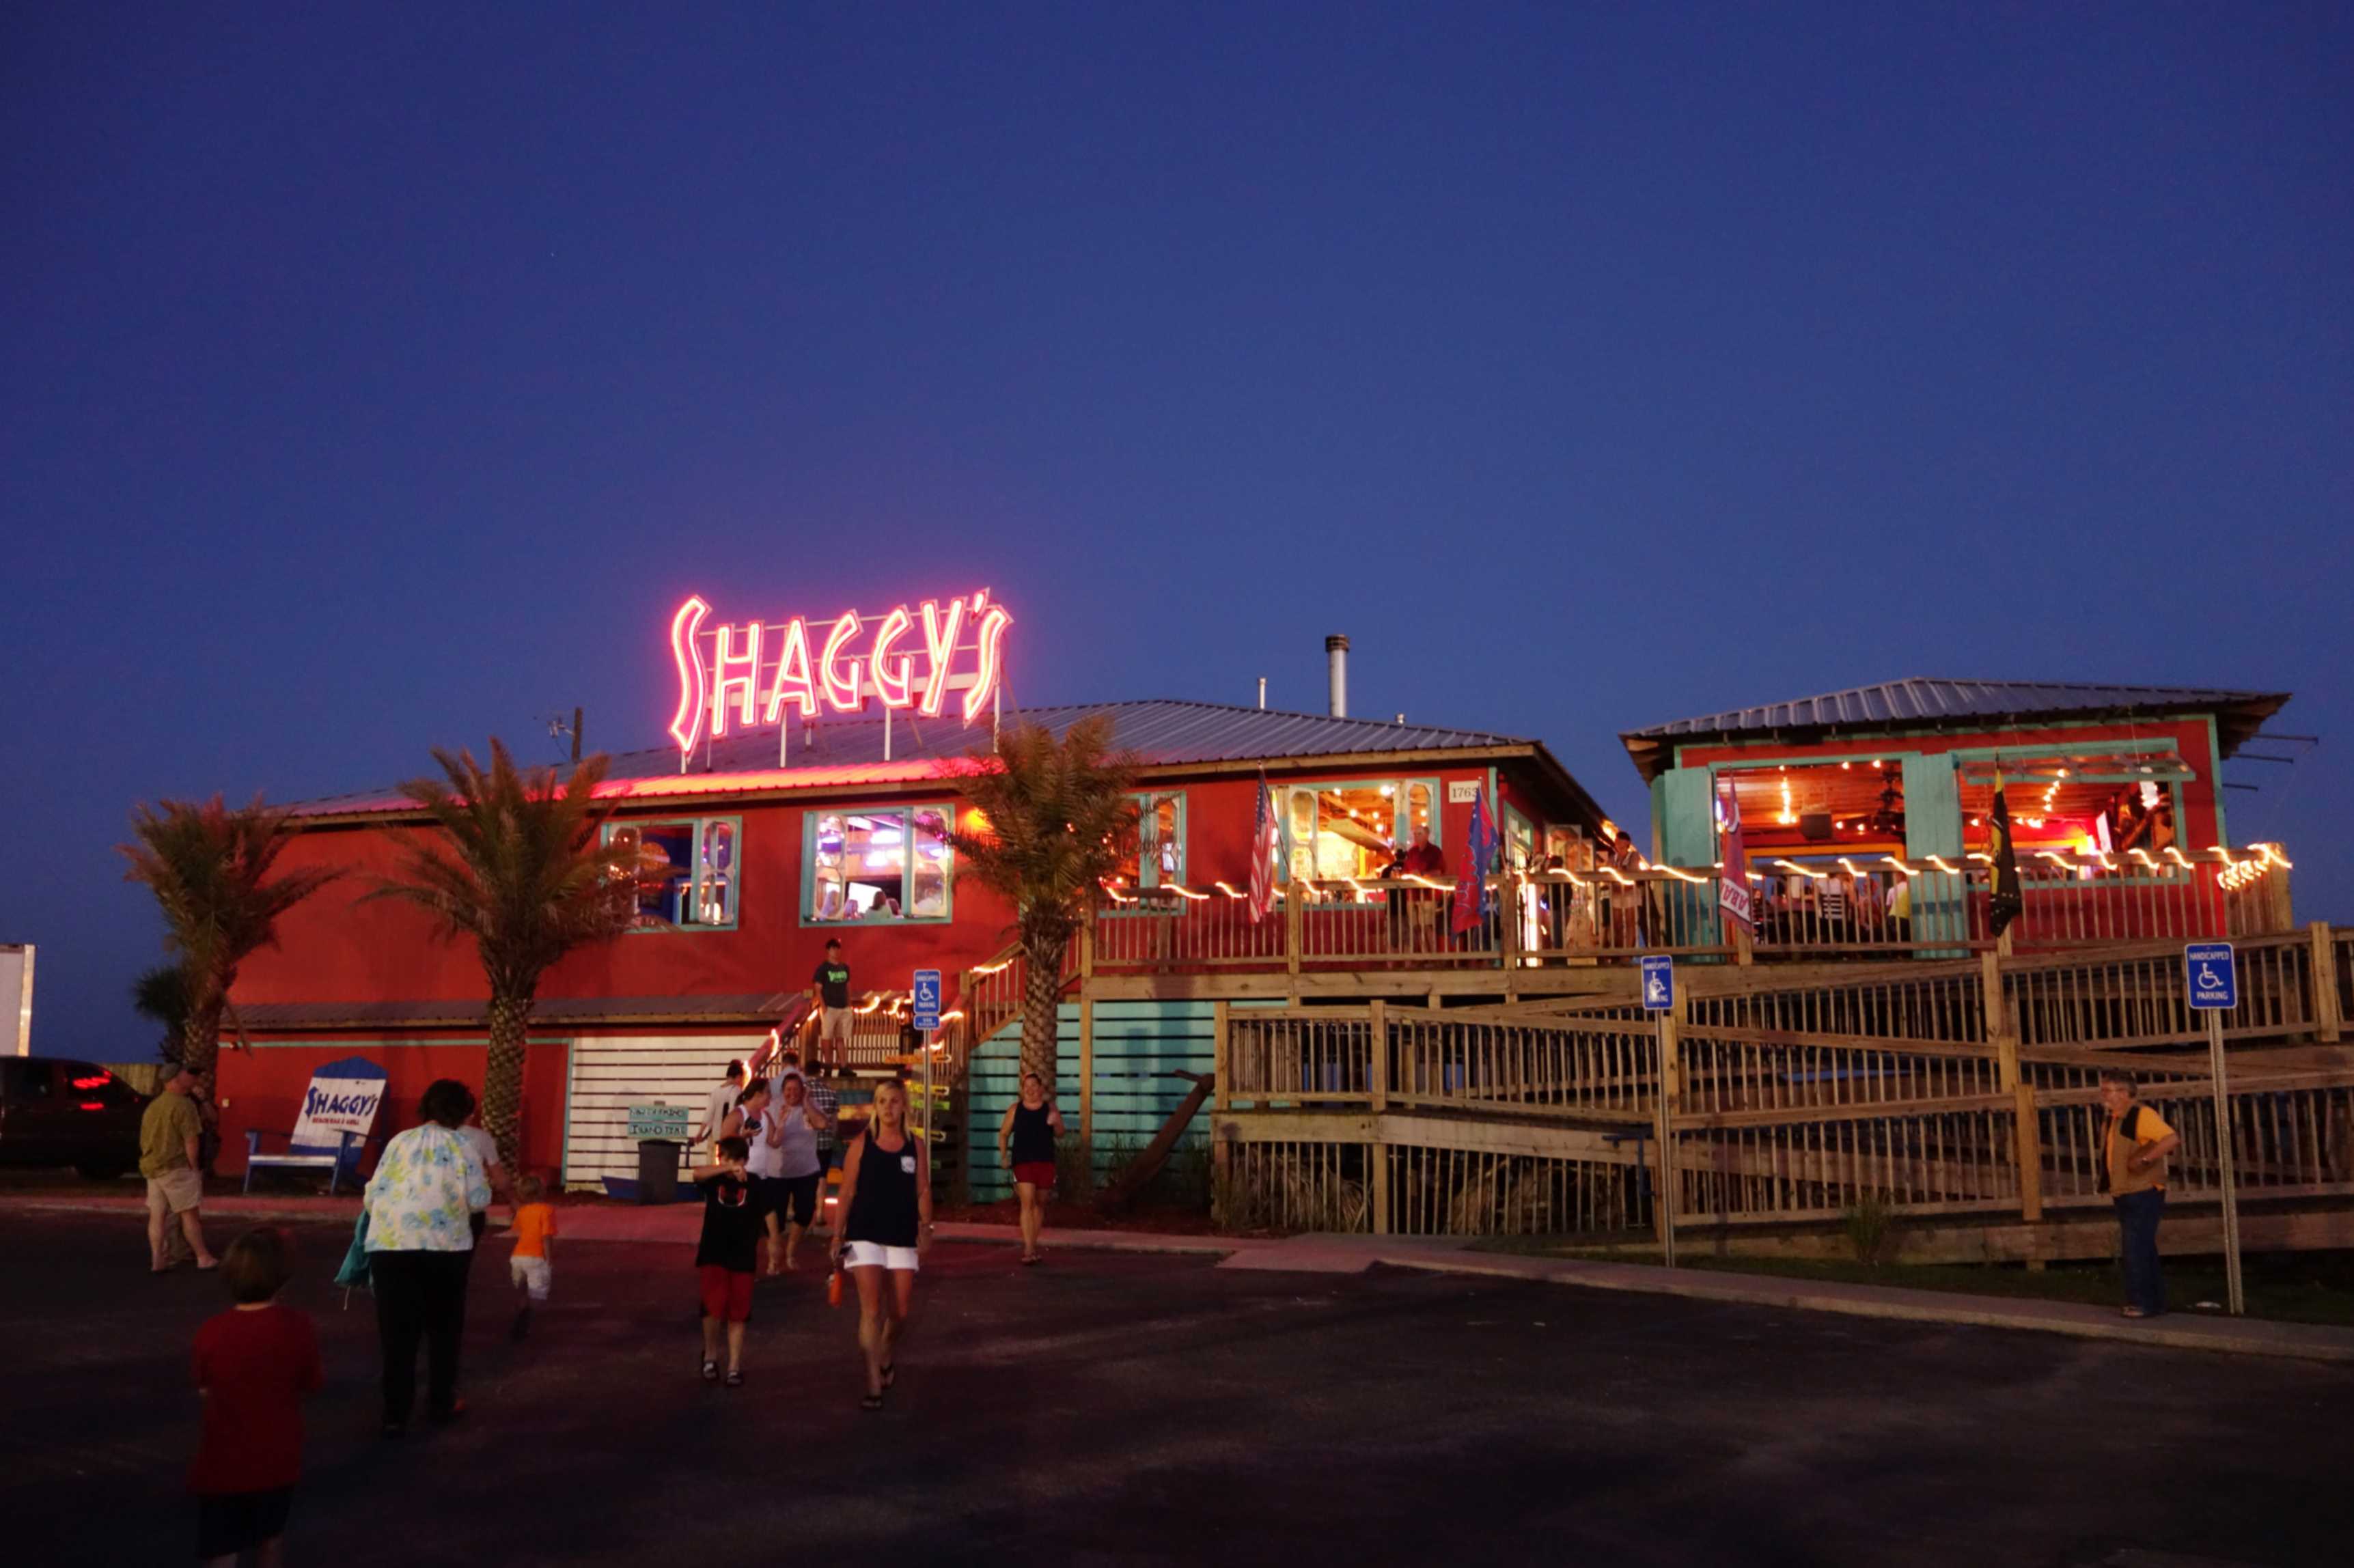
<point>2134,1146</point>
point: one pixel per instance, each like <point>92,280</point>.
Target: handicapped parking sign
<point>928,999</point>
<point>1659,983</point>
<point>2214,981</point>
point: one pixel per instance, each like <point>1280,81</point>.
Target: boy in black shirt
<point>830,987</point>
<point>728,1254</point>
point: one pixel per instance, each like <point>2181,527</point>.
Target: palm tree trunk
<point>200,1039</point>
<point>1042,998</point>
<point>502,1076</point>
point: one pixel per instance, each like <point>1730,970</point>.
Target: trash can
<point>658,1170</point>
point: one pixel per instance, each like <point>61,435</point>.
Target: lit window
<point>1160,855</point>
<point>685,871</point>
<point>1358,829</point>
<point>880,865</point>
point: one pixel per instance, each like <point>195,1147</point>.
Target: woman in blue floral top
<point>427,1183</point>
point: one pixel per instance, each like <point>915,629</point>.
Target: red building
<point>759,847</point>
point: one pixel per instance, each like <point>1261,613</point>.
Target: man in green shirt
<point>169,1135</point>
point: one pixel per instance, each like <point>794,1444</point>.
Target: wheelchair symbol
<point>2209,979</point>
<point>1658,989</point>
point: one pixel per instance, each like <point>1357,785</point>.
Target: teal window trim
<point>1404,782</point>
<point>700,825</point>
<point>1148,866</point>
<point>906,811</point>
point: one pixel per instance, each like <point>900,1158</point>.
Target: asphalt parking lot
<point>1138,1408</point>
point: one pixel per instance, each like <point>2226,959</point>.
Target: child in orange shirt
<point>533,1266</point>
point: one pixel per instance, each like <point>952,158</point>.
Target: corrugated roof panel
<point>1922,700</point>
<point>1163,732</point>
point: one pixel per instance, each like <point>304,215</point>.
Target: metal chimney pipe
<point>1262,691</point>
<point>1336,657</point>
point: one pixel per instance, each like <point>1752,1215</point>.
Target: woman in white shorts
<point>886,1204</point>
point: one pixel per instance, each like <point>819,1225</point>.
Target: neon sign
<point>745,676</point>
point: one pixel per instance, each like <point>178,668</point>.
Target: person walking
<point>2134,1145</point>
<point>756,1121</point>
<point>530,1267</point>
<point>830,989</point>
<point>1025,1146</point>
<point>887,1206</point>
<point>420,1205</point>
<point>726,1255</point>
<point>171,1134</point>
<point>800,1168</point>
<point>825,1110</point>
<point>486,1150</point>
<point>254,1364</point>
<point>724,1096</point>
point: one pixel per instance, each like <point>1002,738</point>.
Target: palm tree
<point>1059,823</point>
<point>161,995</point>
<point>518,866</point>
<point>209,867</point>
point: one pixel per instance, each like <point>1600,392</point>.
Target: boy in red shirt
<point>253,1365</point>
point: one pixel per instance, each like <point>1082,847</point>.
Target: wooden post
<point>1221,1056</point>
<point>1745,945</point>
<point>1087,1075</point>
<point>1663,1194</point>
<point>1378,1069</point>
<point>1292,900</point>
<point>1377,1154</point>
<point>2327,1024</point>
<point>2027,1141</point>
<point>1087,952</point>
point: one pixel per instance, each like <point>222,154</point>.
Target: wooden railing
<point>1561,918</point>
<point>1970,1087</point>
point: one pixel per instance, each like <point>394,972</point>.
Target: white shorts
<point>532,1273</point>
<point>833,1023</point>
<point>874,1255</point>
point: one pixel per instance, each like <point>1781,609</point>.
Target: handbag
<point>354,1274</point>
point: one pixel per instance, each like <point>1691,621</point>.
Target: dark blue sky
<point>378,382</point>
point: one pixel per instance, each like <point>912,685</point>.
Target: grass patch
<point>2285,1287</point>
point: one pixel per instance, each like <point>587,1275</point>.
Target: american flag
<point>1262,871</point>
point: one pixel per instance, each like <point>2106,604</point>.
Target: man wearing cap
<point>830,989</point>
<point>170,1131</point>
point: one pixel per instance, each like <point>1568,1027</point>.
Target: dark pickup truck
<point>58,1112</point>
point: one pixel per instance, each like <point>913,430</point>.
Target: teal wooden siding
<point>1135,1043</point>
<point>1684,810</point>
<point>1933,825</point>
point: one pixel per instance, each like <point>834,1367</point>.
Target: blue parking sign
<point>2214,981</point>
<point>1659,982</point>
<point>928,999</point>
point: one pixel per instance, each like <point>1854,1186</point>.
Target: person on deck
<point>1424,859</point>
<point>2135,1143</point>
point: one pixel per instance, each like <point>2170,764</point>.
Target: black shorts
<point>800,1193</point>
<point>771,1194</point>
<point>230,1523</point>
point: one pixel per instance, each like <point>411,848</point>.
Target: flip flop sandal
<point>710,1372</point>
<point>870,1402</point>
<point>735,1380</point>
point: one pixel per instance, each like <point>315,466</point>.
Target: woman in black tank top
<point>886,1208</point>
<point>1025,1146</point>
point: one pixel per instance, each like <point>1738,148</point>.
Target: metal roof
<point>848,753</point>
<point>1924,703</point>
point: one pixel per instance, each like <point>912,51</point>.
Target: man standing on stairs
<point>830,989</point>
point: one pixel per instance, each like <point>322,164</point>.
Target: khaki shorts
<point>174,1192</point>
<point>835,1023</point>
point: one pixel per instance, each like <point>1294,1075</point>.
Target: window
<point>1356,828</point>
<point>1160,857</point>
<point>685,870</point>
<point>879,865</point>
